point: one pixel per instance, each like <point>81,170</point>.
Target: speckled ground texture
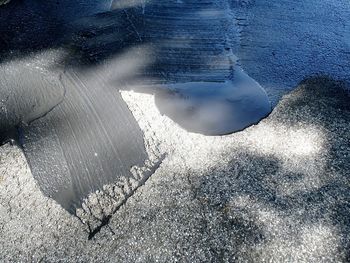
<point>278,191</point>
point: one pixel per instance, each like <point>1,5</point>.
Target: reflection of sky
<point>215,108</point>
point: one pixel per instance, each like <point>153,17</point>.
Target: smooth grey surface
<point>31,36</point>
<point>87,136</point>
<point>89,140</point>
<point>28,90</point>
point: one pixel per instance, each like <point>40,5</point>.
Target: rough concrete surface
<point>278,192</point>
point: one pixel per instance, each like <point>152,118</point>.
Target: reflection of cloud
<point>124,67</point>
<point>212,13</point>
<point>123,4</point>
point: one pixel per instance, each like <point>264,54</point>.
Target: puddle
<point>214,108</point>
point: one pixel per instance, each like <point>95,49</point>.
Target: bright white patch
<point>290,141</point>
<point>124,4</point>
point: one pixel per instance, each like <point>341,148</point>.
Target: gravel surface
<point>278,191</point>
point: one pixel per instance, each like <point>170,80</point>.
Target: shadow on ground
<point>265,201</point>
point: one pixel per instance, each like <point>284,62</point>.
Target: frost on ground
<point>278,191</point>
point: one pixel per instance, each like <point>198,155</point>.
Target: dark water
<point>215,108</point>
<point>63,63</point>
